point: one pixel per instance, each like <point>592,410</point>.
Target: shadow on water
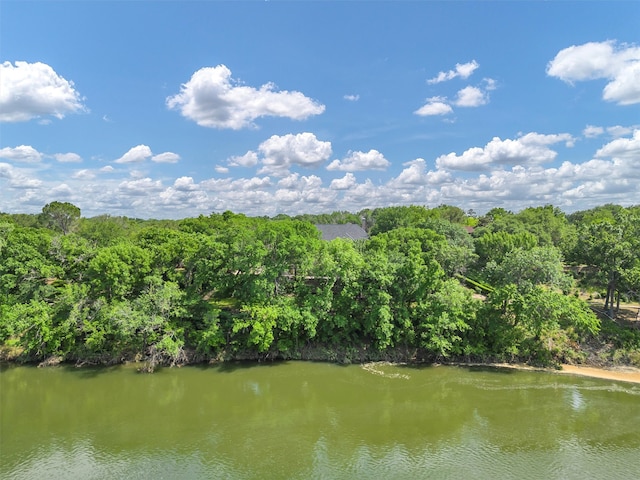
<point>236,365</point>
<point>490,369</point>
<point>468,368</point>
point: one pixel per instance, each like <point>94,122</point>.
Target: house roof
<point>346,230</point>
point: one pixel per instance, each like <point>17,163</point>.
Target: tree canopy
<point>423,286</point>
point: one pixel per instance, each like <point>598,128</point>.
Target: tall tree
<point>61,215</point>
<point>610,243</point>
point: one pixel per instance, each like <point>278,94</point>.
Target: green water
<point>302,420</point>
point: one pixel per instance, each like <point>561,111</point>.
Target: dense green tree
<point>529,267</point>
<point>105,230</point>
<point>61,216</point>
<point>550,226</point>
<point>228,285</point>
<point>458,254</point>
<point>444,318</point>
<point>610,243</point>
<point>119,271</point>
<point>451,214</point>
<point>390,218</point>
<point>26,266</point>
<point>493,246</point>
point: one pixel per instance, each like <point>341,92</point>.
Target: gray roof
<point>346,230</point>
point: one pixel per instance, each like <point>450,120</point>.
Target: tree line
<point>429,284</point>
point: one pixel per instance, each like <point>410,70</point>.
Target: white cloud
<point>359,161</point>
<point>23,182</point>
<point>615,131</point>
<point>21,153</point>
<point>344,183</point>
<point>249,159</point>
<point>299,182</point>
<point>416,174</point>
<point>6,170</point>
<point>352,98</point>
<point>211,98</point>
<point>619,131</point>
<point>622,148</point>
<point>281,152</point>
<point>489,84</point>
<point>62,191</point>
<point>30,90</point>
<point>68,157</point>
<point>135,155</point>
<point>290,182</point>
<point>139,187</point>
<point>250,184</point>
<point>184,184</point>
<point>528,149</point>
<point>221,169</point>
<point>463,70</point>
<point>434,106</point>
<point>591,131</point>
<point>18,179</point>
<point>166,157</point>
<point>83,174</point>
<point>512,173</point>
<point>620,64</point>
<point>470,97</point>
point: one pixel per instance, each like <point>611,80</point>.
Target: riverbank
<point>620,373</point>
<point>624,374</point>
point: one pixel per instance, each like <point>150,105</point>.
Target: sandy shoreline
<point>623,374</point>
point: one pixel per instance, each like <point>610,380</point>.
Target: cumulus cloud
<point>512,173</point>
<point>622,148</point>
<point>68,157</point>
<point>470,97</point>
<point>30,90</point>
<point>62,191</point>
<point>617,63</point>
<point>211,98</point>
<point>462,70</point>
<point>249,159</point>
<point>434,106</point>
<point>21,153</point>
<point>84,174</point>
<point>140,153</point>
<point>359,161</point>
<point>184,184</point>
<point>279,153</point>
<point>24,182</point>
<point>6,170</point>
<point>528,149</point>
<point>166,157</point>
<point>344,183</point>
<point>416,174</point>
<point>139,187</point>
<point>135,155</point>
<point>17,179</point>
<point>592,131</point>
<point>620,131</point>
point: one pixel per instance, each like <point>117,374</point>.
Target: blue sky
<point>160,109</point>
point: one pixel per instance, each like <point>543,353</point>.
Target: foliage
<point>109,289</point>
<point>61,215</point>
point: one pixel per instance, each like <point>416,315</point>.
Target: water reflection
<point>306,420</point>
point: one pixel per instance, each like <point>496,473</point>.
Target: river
<point>304,420</point>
